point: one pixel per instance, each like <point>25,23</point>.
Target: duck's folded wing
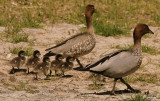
<point>70,44</point>
<point>100,64</point>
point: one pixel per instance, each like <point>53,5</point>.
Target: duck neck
<point>89,24</point>
<point>137,45</point>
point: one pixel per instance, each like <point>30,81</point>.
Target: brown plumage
<point>34,60</point>
<point>80,44</point>
<point>18,61</point>
<point>68,65</point>
<point>43,67</point>
<point>55,64</point>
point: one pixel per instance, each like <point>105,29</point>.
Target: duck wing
<point>77,44</point>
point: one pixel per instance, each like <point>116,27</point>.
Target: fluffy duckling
<point>18,61</point>
<point>43,67</point>
<point>68,65</point>
<point>55,64</point>
<point>34,60</point>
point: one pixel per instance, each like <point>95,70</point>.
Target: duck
<point>122,62</point>
<point>55,64</point>
<point>34,60</point>
<point>43,67</point>
<point>68,65</point>
<point>18,61</point>
<point>80,44</point>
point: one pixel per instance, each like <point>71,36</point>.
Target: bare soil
<point>78,87</point>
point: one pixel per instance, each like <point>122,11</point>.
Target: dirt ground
<point>78,87</point>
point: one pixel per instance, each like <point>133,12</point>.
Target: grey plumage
<point>124,62</point>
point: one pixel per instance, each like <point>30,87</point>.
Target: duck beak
<point>150,32</point>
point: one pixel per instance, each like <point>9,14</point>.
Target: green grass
<point>146,49</point>
<point>150,50</point>
<point>112,18</point>
<point>95,85</point>
<point>108,29</point>
<point>28,50</point>
<point>142,78</point>
<point>137,98</point>
<point>19,38</point>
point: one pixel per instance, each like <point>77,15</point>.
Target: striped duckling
<point>43,67</point>
<point>18,61</point>
<point>123,62</point>
<point>55,64</point>
<point>34,60</point>
<point>68,65</point>
<point>80,44</point>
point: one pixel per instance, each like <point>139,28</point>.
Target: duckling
<point>68,65</point>
<point>55,64</point>
<point>18,61</point>
<point>43,67</point>
<point>34,60</point>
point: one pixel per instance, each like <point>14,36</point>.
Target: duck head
<point>21,53</point>
<point>90,10</point>
<point>46,59</point>
<point>70,59</point>
<point>59,57</point>
<point>36,53</point>
<point>140,30</point>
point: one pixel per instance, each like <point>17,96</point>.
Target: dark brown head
<point>140,30</point>
<point>70,59</point>
<point>90,10</point>
<point>21,53</point>
<point>46,59</point>
<point>59,57</point>
<point>36,53</point>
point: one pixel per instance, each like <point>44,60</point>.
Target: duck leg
<point>28,70</point>
<point>114,84</point>
<point>12,70</point>
<point>128,86</point>
<point>50,73</point>
<point>36,78</point>
<point>79,63</point>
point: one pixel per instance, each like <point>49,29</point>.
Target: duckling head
<point>21,53</point>
<point>90,10</point>
<point>36,53</point>
<point>59,57</point>
<point>140,30</point>
<point>46,59</point>
<point>70,59</point>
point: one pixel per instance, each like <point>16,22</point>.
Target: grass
<point>137,98</point>
<point>19,38</point>
<point>112,17</point>
<point>142,78</point>
<point>95,85</point>
<point>20,86</point>
<point>150,50</point>
<point>28,50</point>
<point>146,49</point>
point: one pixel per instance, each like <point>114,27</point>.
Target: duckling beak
<point>150,32</point>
